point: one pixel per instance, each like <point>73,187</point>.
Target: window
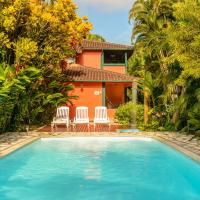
<point>114,57</point>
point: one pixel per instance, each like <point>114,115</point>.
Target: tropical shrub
<point>13,91</point>
<point>126,114</point>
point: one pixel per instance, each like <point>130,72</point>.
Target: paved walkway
<point>187,144</point>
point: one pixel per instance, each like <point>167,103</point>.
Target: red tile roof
<point>78,73</point>
<point>97,45</point>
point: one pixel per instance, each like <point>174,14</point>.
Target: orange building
<point>99,76</point>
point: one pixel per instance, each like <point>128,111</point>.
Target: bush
<point>126,112</point>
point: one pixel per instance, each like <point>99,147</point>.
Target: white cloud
<point>106,5</point>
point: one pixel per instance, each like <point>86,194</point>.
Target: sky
<point>109,18</point>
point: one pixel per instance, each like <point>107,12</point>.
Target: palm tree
<point>151,18</point>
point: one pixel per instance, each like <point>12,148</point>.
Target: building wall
<point>93,59</point>
<point>115,93</point>
<point>89,59</point>
<point>90,95</point>
<point>111,114</point>
<point>119,69</point>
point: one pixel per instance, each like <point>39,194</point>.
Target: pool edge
<point>177,147</point>
<point>17,146</point>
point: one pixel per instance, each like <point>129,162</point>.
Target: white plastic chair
<point>101,116</point>
<point>82,116</point>
<point>62,116</point>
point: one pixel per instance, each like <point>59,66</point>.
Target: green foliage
<point>96,37</point>
<point>21,102</point>
<point>13,89</point>
<point>125,114</point>
<point>184,38</point>
<point>25,50</point>
<point>166,58</point>
<point>157,121</point>
<point>39,32</point>
<point>34,37</point>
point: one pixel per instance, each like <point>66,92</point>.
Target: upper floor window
<point>114,57</point>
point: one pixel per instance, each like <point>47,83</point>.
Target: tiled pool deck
<point>187,144</point>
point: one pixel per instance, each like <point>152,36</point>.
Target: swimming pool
<point>98,169</point>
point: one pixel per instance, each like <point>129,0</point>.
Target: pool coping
<point>17,146</point>
<point>154,135</point>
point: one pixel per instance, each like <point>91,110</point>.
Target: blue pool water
<point>99,169</point>
<point>128,131</point>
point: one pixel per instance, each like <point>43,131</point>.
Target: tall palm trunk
<point>163,66</point>
<point>146,106</point>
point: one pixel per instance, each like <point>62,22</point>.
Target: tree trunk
<point>146,106</point>
<point>163,66</point>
